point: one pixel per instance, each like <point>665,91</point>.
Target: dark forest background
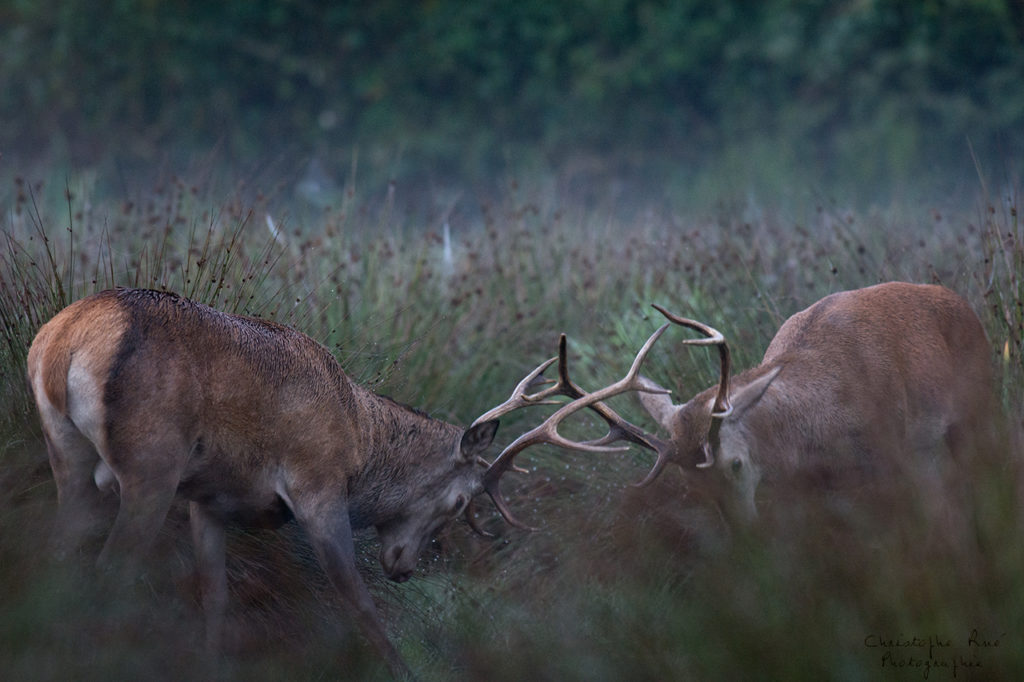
<point>880,95</point>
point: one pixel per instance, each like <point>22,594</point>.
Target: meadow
<point>446,311</point>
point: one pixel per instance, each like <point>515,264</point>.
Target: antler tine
<point>722,408</point>
<point>659,466</point>
<point>471,519</point>
<point>519,397</point>
<point>547,432</point>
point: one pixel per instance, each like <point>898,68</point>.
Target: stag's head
<point>448,485</point>
<point>708,434</point>
<point>717,450</point>
<point>438,494</point>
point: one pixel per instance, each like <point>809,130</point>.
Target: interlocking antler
<point>618,428</point>
<point>547,432</point>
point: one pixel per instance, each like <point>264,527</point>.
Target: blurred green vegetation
<point>871,93</point>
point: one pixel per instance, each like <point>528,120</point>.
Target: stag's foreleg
<point>208,539</point>
<point>330,533</point>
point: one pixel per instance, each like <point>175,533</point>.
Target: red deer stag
<point>154,396</point>
<point>861,377</point>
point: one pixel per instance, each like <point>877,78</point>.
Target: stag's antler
<point>721,408</point>
<point>618,428</point>
<point>547,432</point>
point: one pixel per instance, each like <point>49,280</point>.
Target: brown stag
<point>154,397</point>
<point>864,378</point>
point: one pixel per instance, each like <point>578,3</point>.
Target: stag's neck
<point>398,445</point>
<point>787,426</point>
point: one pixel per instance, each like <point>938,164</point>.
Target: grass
<point>619,583</point>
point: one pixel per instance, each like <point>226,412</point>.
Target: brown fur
<point>861,380</point>
<point>61,336</point>
<point>156,396</point>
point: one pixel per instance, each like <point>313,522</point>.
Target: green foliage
<point>1003,278</point>
<point>876,91</point>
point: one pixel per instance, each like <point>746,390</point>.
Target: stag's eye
<point>736,466</point>
<point>460,504</point>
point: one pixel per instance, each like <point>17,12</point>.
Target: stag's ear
<point>476,439</point>
<point>746,396</point>
<point>659,405</point>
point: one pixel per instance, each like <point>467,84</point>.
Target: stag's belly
<point>233,490</point>
<point>249,509</point>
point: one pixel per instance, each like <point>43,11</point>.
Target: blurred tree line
<point>865,86</point>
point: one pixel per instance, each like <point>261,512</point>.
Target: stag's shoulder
<point>900,313</point>
<point>895,301</point>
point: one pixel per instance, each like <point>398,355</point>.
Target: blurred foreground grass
<point>619,583</point>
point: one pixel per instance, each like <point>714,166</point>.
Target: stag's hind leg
<point>73,458</point>
<point>75,437</point>
<point>148,467</point>
<point>80,512</point>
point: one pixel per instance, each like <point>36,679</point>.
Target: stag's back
<point>902,365</point>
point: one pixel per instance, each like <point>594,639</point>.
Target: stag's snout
<point>398,562</point>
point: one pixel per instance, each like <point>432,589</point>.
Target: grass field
<point>619,583</point>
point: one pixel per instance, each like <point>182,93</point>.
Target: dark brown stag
<point>153,397</point>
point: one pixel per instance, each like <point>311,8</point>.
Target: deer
<point>154,398</point>
<point>886,375</point>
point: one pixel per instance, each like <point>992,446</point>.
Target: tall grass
<point>619,583</point>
